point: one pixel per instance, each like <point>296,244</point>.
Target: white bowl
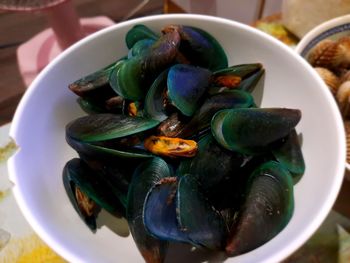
<point>39,129</point>
<point>332,29</point>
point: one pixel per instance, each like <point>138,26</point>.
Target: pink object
<point>65,23</point>
<point>37,52</point>
<point>66,29</point>
<point>60,13</point>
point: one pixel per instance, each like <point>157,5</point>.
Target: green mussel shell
<point>106,126</point>
<point>252,130</point>
<point>267,209</point>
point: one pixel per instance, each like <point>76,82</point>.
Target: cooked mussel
<point>186,87</point>
<point>200,47</point>
<point>287,152</point>
<point>252,130</point>
<point>134,77</point>
<point>266,210</point>
<point>178,211</point>
<point>101,127</point>
<point>88,192</point>
<point>94,90</point>
<point>144,178</point>
<point>176,96</point>
<point>236,76</point>
<point>202,117</point>
<point>95,85</point>
<point>109,135</point>
<point>209,173</point>
<point>221,173</point>
<point>159,213</point>
<point>175,142</point>
<point>171,147</point>
<point>156,97</point>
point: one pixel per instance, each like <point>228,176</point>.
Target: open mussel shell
<point>216,128</point>
<point>178,211</point>
<point>146,175</point>
<point>154,101</point>
<point>252,130</point>
<point>95,85</point>
<point>113,78</point>
<point>200,47</point>
<point>159,212</point>
<point>94,191</point>
<point>90,136</point>
<point>137,33</point>
<point>267,209</point>
<point>106,126</point>
<point>288,153</point>
<point>186,87</point>
<point>127,79</point>
<point>207,172</point>
<point>174,125</point>
<point>201,119</point>
<point>171,147</point>
<point>205,225</point>
<point>89,217</point>
<point>232,77</point>
<point>94,90</point>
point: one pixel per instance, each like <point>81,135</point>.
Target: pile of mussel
<point>174,142</point>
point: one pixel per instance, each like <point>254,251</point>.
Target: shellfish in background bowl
<point>327,48</point>
<point>39,128</point>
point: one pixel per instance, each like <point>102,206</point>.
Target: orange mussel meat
<point>171,147</point>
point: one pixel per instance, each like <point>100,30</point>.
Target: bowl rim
<point>322,31</point>
<point>279,255</point>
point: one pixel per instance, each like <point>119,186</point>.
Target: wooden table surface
<point>16,28</point>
